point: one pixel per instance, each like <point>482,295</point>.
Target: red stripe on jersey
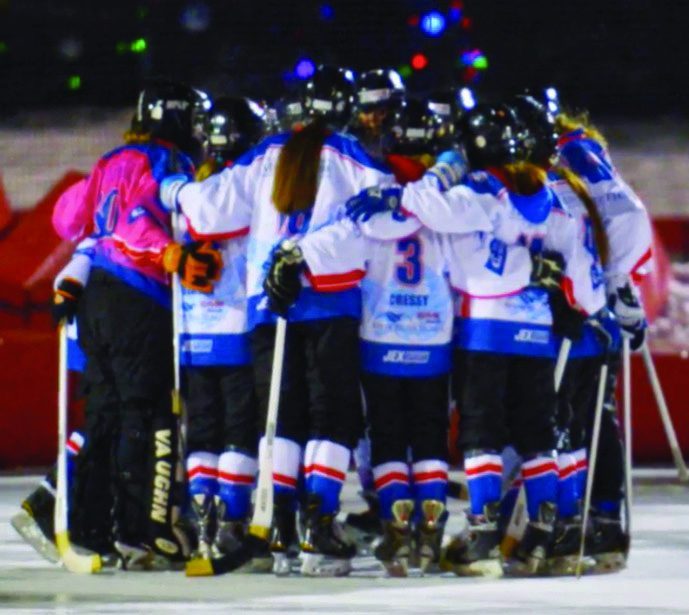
<point>73,447</point>
<point>484,468</point>
<point>390,477</point>
<point>331,283</point>
<point>217,236</point>
<point>241,479</point>
<point>315,468</point>
<point>636,276</point>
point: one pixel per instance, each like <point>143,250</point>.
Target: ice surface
<point>657,580</point>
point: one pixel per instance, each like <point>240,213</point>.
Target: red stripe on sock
<point>484,469</point>
<point>242,479</point>
<point>325,470</point>
<point>284,480</point>
<point>391,477</point>
<point>539,470</point>
<point>423,477</point>
<point>206,471</point>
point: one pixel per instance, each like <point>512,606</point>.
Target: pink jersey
<point>118,206</point>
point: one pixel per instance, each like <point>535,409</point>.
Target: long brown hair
<point>296,176</point>
<point>568,122</point>
<point>579,188</point>
<point>523,177</point>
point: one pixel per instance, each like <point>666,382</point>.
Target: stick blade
<point>73,561</point>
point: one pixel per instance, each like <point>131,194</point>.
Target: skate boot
<point>429,533</point>
<point>203,509</point>
<point>365,527</point>
<point>536,545</point>
<point>476,551</point>
<point>139,557</point>
<point>325,551</point>
<point>394,549</point>
<point>564,557</point>
<point>607,543</point>
<point>283,535</point>
<point>34,523</point>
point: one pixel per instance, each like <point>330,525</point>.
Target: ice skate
<point>531,556</point>
<point>476,552</point>
<point>283,536</point>
<point>394,549</point>
<point>607,543</point>
<point>325,551</point>
<point>365,527</point>
<point>34,523</point>
<point>140,558</point>
<point>429,533</point>
<point>564,556</point>
<point>203,507</point>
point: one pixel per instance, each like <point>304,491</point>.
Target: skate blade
<point>199,567</point>
<point>281,565</point>
<point>566,565</point>
<point>607,563</point>
<point>26,526</point>
<point>532,567</point>
<point>318,565</point>
<point>397,568</point>
<point>426,558</point>
<point>491,568</point>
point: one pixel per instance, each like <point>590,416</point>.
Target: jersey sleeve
<point>390,226</point>
<point>220,207</point>
<point>459,210</point>
<point>79,266</point>
<point>73,214</point>
<point>335,256</point>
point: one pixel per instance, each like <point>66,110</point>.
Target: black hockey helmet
<point>410,129</point>
<point>290,111</point>
<point>329,94</point>
<point>379,88</point>
<point>445,114</point>
<point>174,112</point>
<point>488,134</point>
<point>234,125</point>
<point>536,131</point>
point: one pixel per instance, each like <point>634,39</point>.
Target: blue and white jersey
<point>238,201</point>
<point>625,218</point>
<point>501,312</point>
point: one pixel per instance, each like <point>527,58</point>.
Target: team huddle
<point>416,254</point>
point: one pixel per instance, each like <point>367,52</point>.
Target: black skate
<point>140,557</point>
<point>607,543</point>
<point>429,533</point>
<point>476,551</point>
<point>395,547</point>
<point>325,551</point>
<point>283,535</point>
<point>564,556</point>
<point>535,548</point>
<point>365,527</point>
<point>34,523</point>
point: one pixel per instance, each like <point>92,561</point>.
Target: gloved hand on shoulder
<point>372,201</point>
<point>197,263</point>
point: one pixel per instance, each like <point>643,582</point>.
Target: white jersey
<point>501,312</point>
<point>238,202</point>
<point>625,218</point>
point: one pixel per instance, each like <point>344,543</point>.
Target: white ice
<point>656,581</point>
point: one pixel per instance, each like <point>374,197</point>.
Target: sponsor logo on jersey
<point>197,346</point>
<point>414,357</point>
<point>532,336</point>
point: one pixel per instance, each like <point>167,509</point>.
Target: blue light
<point>327,12</point>
<point>433,23</point>
<point>304,68</point>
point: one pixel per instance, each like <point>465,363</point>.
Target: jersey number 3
<point>409,272</point>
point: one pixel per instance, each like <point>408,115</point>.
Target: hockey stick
<point>262,519</point>
<point>519,519</point>
<point>627,404</point>
<point>73,561</point>
<point>593,455</point>
<point>665,414</point>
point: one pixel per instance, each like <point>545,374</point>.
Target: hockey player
<point>286,187</point>
<point>582,149</point>
<point>222,435</point>
<point>125,324</point>
<point>508,370</point>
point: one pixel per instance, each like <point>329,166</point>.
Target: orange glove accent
<point>197,263</point>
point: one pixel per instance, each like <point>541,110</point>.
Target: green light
<point>141,12</point>
<point>122,47</point>
<point>481,63</point>
<point>138,46</point>
<point>405,71</point>
<point>74,82</point>
<point>3,47</point>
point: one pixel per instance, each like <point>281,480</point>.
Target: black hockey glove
<point>567,321</point>
<point>548,270</point>
<point>283,284</point>
<point>629,314</point>
<point>66,300</point>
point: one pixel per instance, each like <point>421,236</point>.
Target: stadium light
<point>433,23</point>
<point>419,61</point>
<point>304,68</point>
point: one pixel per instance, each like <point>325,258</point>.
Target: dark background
<point>615,57</point>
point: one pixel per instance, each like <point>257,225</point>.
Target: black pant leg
<point>240,425</point>
<point>427,418</point>
<point>385,417</point>
<point>202,392</point>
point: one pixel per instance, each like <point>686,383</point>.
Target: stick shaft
<point>627,403</point>
<point>561,364</point>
